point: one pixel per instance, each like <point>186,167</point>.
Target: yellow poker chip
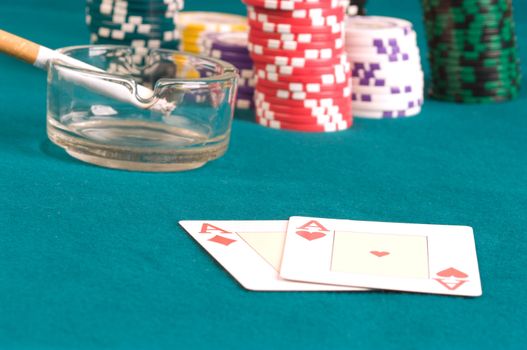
<point>192,41</point>
<point>192,33</point>
<point>192,45</point>
<point>212,22</point>
<point>184,69</point>
<point>194,26</point>
<point>191,49</point>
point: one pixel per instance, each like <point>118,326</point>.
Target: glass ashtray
<point>178,116</point>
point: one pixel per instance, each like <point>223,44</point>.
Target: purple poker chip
<point>245,91</point>
<point>242,65</point>
<point>230,56</point>
<point>230,42</point>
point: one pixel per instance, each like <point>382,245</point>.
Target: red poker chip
<point>288,70</point>
<point>304,117</point>
<point>343,109</point>
<point>326,53</point>
<point>335,109</point>
<point>292,45</point>
<point>304,120</point>
<point>301,14</point>
<point>316,22</point>
<point>307,87</point>
<point>298,118</point>
<point>313,100</point>
<point>290,5</point>
<point>300,37</point>
<point>338,75</point>
<point>332,127</point>
<point>298,62</point>
<point>268,27</point>
<point>286,94</point>
<point>260,97</point>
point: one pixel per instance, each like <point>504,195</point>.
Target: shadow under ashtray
<point>50,149</point>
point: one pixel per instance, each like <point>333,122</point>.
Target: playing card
<point>436,259</point>
<point>251,251</point>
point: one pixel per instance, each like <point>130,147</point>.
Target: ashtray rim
<point>229,70</point>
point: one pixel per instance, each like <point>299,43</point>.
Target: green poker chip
<point>472,99</point>
<point>133,22</point>
<point>464,63</point>
<point>481,72</point>
<point>447,82</point>
<point>469,90</point>
<point>472,50</point>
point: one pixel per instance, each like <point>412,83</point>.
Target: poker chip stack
<point>232,48</point>
<point>139,23</point>
<point>472,50</point>
<point>303,80</point>
<point>388,80</point>
<point>195,26</point>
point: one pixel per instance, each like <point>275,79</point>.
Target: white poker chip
<point>387,76</point>
<point>382,51</point>
<point>400,59</point>
<point>386,70</point>
<point>408,40</point>
<point>387,114</point>
<point>377,26</point>
<point>401,104</point>
<point>381,87</point>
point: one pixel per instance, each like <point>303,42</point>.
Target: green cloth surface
<point>94,258</point>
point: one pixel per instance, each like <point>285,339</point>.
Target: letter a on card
<point>313,224</point>
<point>208,228</point>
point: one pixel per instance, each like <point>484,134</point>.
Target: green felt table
<point>94,258</point>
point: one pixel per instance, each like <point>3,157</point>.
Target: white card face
<point>435,259</point>
<point>251,251</point>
